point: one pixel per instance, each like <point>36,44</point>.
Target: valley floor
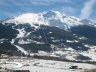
<point>40,65</point>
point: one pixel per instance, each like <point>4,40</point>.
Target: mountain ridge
<point>52,18</point>
<point>63,37</point>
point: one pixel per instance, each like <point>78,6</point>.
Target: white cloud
<point>32,2</point>
<point>2,2</point>
<point>87,9</point>
<point>48,2</point>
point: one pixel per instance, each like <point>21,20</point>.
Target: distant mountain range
<point>52,32</point>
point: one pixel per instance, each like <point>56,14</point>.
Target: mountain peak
<point>52,18</point>
<point>53,14</point>
<point>30,18</point>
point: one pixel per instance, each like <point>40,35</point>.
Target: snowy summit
<point>52,18</point>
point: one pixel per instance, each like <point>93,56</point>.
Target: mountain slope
<point>51,32</point>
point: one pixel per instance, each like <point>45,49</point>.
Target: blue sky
<point>78,8</point>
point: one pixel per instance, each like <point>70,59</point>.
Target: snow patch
<point>21,49</point>
<point>69,41</point>
<point>31,18</point>
<point>21,33</point>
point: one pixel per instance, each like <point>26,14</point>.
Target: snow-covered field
<point>39,65</point>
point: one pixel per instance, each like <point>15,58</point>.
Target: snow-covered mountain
<point>52,18</point>
<point>52,32</point>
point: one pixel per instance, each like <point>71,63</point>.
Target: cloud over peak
<point>87,9</point>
